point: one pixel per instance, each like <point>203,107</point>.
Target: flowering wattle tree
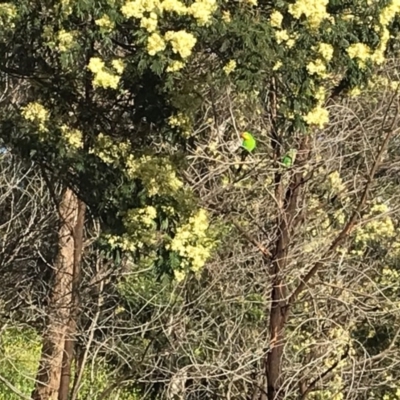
<point>134,107</point>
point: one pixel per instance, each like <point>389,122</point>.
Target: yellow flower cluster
<point>140,229</point>
<point>178,120</point>
<point>326,51</point>
<point>317,67</point>
<point>137,8</point>
<point>35,112</point>
<point>175,6</point>
<point>202,11</point>
<point>102,76</point>
<point>395,396</point>
<point>181,121</point>
<point>72,136</point>
<point>155,44</point>
<point>226,16</point>
<point>282,36</point>
<point>389,277</point>
<point>319,116</point>
<point>175,66</point>
<point>314,10</point>
<point>148,10</point>
<point>359,51</point>
<point>109,151</point>
<point>65,40</point>
<point>150,23</point>
<point>105,23</point>
<point>362,52</point>
<point>277,65</point>
<point>192,241</point>
<point>182,42</point>
<point>118,65</point>
<point>335,183</point>
<point>389,12</point>
<point>8,12</point>
<point>66,7</point>
<point>276,19</point>
<point>229,67</point>
<point>379,226</point>
<point>156,173</point>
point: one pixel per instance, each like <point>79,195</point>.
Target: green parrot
<point>249,143</point>
<point>289,158</point>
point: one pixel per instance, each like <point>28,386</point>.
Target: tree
<point>118,106</point>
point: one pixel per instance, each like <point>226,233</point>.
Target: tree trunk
<point>289,219</point>
<point>49,372</point>
<point>75,302</point>
<point>277,318</point>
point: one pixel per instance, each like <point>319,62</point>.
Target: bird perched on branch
<point>289,157</point>
<point>249,143</point>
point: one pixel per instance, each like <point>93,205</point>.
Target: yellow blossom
<point>72,136</point>
<point>356,91</point>
<point>35,112</point>
<point>95,65</point>
<point>102,77</point>
<point>175,66</point>
<point>150,24</point>
<point>191,241</point>
<point>326,51</point>
<point>281,36</point>
<point>8,12</point>
<point>202,10</point>
<point>105,23</point>
<point>318,116</point>
<point>118,65</point>
<point>65,40</point>
<point>179,276</point>
<point>132,9</point>
<point>389,12</point>
<point>137,8</point>
<point>182,42</point>
<point>226,16</point>
<point>277,66</point>
<point>290,43</point>
<point>360,51</point>
<point>314,10</point>
<point>230,67</point>
<point>320,95</point>
<point>276,19</point>
<point>174,6</point>
<point>106,80</point>
<point>317,67</point>
<point>155,44</point>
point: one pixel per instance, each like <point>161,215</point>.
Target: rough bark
<point>75,303</point>
<point>49,372</point>
<point>288,220</point>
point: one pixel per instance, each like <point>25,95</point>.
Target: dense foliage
<point>197,273</point>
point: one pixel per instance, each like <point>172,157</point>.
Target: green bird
<point>249,143</point>
<point>289,158</point>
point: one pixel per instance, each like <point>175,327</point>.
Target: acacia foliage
<point>137,106</point>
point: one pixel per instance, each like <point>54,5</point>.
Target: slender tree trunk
<point>75,303</point>
<point>49,372</point>
<point>289,219</point>
<point>277,317</point>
